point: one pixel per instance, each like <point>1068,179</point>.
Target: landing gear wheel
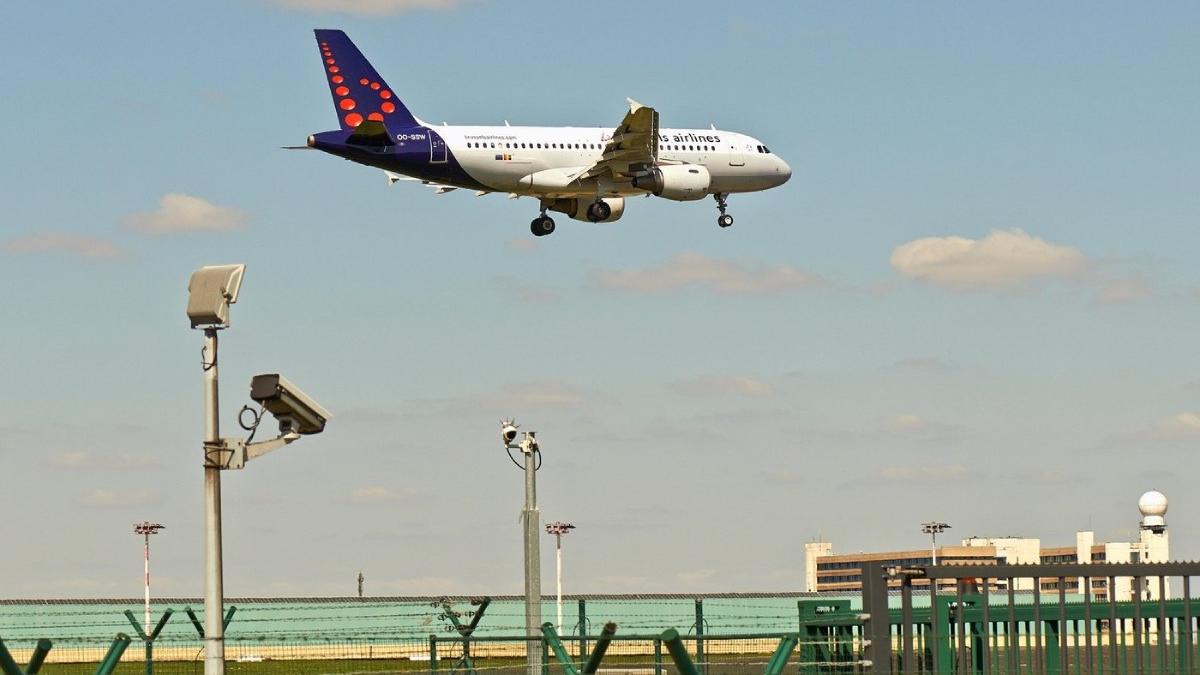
<point>725,220</point>
<point>598,211</point>
<point>541,226</point>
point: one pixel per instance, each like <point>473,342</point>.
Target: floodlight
<point>293,408</point>
<point>211,291</point>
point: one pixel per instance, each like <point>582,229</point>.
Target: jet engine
<point>604,210</point>
<point>679,182</point>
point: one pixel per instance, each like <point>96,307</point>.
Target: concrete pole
<point>533,570</point>
<point>214,591</point>
<point>933,546</point>
<point>146,624</point>
<point>558,575</point>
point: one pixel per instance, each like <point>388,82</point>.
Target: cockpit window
<point>766,150</point>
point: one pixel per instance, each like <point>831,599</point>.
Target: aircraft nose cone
<point>783,171</point>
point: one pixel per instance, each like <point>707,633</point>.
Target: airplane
<point>583,172</point>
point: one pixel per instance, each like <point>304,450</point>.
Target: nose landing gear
<point>724,220</point>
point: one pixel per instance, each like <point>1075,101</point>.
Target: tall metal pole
<point>214,591</point>
<point>533,570</point>
<point>146,623</point>
<point>933,546</point>
<point>558,576</point>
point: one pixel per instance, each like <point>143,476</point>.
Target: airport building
<point>826,571</point>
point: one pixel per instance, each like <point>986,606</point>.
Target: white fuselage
<point>503,158</point>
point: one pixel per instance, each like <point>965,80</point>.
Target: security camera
<point>508,431</point>
<point>296,412</point>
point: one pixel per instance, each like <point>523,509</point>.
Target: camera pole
<point>533,560</point>
<point>214,591</point>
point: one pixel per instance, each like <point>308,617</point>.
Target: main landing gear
<point>724,220</point>
<point>542,225</point>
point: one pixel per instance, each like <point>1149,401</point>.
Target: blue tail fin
<point>359,93</point>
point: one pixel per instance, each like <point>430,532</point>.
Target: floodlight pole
<point>558,529</point>
<point>146,529</point>
<point>214,591</point>
<point>932,529</point>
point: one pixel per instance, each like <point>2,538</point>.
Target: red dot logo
<point>330,61</point>
<point>354,119</point>
<point>334,69</point>
<point>375,117</point>
<point>337,79</point>
<point>347,104</point>
<point>341,91</point>
<point>375,86</point>
<point>363,81</point>
<point>385,94</point>
<point>388,107</point>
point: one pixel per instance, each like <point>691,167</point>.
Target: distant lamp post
<point>146,529</point>
<point>933,529</point>
<point>558,529</point>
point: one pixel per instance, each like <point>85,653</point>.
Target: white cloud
<point>178,213</point>
<point>907,422</point>
<point>116,498</point>
<point>923,473</point>
<point>365,7</point>
<point>378,494</point>
<point>1118,291</point>
<point>83,459</point>
<point>61,242</point>
<point>1001,260</point>
<point>695,270</point>
<point>693,577</point>
<point>1183,424</point>
<point>522,245</point>
<point>926,363</point>
<point>723,385</point>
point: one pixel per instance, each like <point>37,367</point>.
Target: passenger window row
<point>589,146</point>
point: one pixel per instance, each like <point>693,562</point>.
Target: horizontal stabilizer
<point>371,133</point>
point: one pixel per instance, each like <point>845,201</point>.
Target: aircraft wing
<point>634,142</point>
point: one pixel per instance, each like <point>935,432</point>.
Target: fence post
<point>433,657</point>
<point>876,626</point>
<point>114,654</point>
<point>658,662</point>
<point>700,636</point>
<point>583,643</point>
<point>593,662</point>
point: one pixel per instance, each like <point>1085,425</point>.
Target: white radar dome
<point>1153,506</point>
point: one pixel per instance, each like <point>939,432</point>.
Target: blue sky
<point>976,300</point>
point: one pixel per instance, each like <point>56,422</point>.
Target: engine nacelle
<point>680,182</point>
<point>587,210</point>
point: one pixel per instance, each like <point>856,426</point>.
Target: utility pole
<point>360,580</point>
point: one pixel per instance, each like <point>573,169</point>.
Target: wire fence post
<point>658,662</point>
<point>433,657</point>
<point>583,642</point>
<point>700,660</point>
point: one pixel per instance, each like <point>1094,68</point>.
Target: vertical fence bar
<point>1137,625</point>
<point>1187,623</point>
<point>1087,623</point>
<point>1062,625</point>
<point>1112,624</point>
<point>700,660</point>
<point>960,627</point>
<point>908,663</point>
<point>658,662</point>
<point>934,643</point>
<point>583,630</point>
<point>1162,625</point>
<point>433,657</point>
<point>1010,634</point>
<point>987,627</point>
<point>1039,665</point>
